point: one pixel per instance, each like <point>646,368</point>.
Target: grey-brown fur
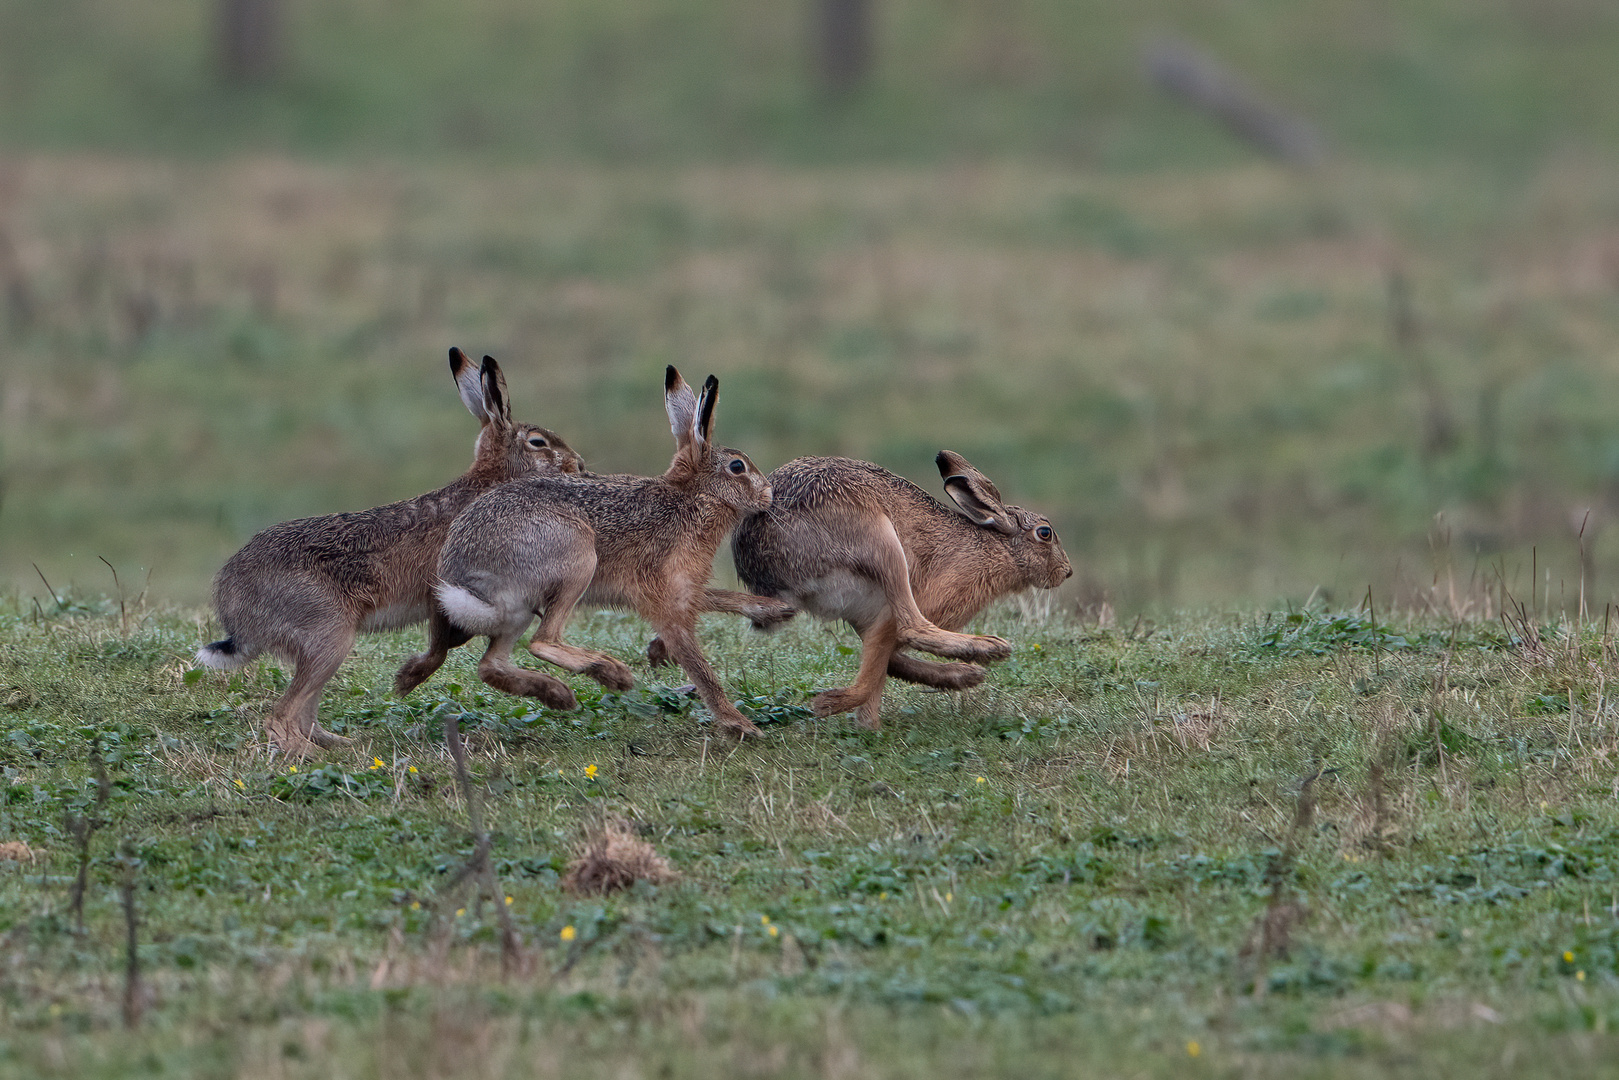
<point>543,545</point>
<point>303,590</point>
<point>849,540</point>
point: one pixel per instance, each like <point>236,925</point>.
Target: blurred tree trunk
<point>249,39</point>
<point>843,41</point>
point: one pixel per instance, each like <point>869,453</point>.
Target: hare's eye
<point>738,466</point>
<point>1043,532</point>
<point>537,442</point>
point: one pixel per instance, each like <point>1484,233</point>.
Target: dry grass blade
<point>611,857</point>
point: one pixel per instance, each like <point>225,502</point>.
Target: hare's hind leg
<point>294,724</point>
<point>574,572</point>
<point>442,636</point>
<point>679,635</point>
<point>498,670</point>
<point>883,557</point>
<point>865,696</point>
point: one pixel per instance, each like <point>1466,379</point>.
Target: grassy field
<point>1497,84</point>
<point>1201,375</point>
<point>1258,845</point>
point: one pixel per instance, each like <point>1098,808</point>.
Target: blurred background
<point>1262,302</point>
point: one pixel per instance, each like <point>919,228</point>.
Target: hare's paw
<point>768,614</point>
<point>738,727</point>
<point>832,702</point>
<point>993,649</point>
<point>328,741</point>
<point>413,672</point>
<point>287,738</point>
<point>611,673</point>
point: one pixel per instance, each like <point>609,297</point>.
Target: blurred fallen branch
<point>1203,82</point>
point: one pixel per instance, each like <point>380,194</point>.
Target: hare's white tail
<point>222,655</point>
<point>468,610</point>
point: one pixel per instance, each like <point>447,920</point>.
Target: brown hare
<point>303,590</point>
<point>849,540</point>
<point>543,545</point>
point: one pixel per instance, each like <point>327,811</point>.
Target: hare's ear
<point>974,495</point>
<point>705,410</point>
<point>496,405</point>
<point>469,383</point>
<point>681,405</point>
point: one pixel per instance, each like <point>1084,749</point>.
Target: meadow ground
<point>1284,844</point>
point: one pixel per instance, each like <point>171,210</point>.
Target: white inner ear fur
<point>968,504</point>
<point>470,388</point>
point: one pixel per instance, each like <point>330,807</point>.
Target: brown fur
<point>849,540</point>
<point>304,589</point>
<point>611,857</point>
<point>543,545</point>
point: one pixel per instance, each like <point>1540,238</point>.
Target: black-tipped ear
<point>973,494</point>
<point>493,382</point>
<point>705,407</point>
<point>670,378</point>
<point>458,360</point>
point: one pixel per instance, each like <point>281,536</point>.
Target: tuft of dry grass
<point>611,857</point>
<point>17,851</point>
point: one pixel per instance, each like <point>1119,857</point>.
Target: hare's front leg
<point>442,636</point>
<point>765,612</point>
<point>679,635</point>
<point>951,676</point>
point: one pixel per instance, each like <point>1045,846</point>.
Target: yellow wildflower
<point>508,901</point>
<point>764,920</point>
<point>240,784</point>
<point>980,780</point>
<point>415,905</point>
<point>949,897</point>
<point>1580,975</point>
<point>460,911</point>
<point>568,933</point>
<point>1193,1049</point>
<point>590,772</point>
<point>376,763</point>
<point>411,769</point>
<point>292,768</point>
<point>775,930</point>
<point>1568,957</point>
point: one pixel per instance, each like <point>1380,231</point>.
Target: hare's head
<point>699,465</point>
<point>1028,536</point>
<point>505,448</point>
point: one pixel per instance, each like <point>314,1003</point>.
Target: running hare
<point>849,540</point>
<point>303,589</point>
<point>543,545</point>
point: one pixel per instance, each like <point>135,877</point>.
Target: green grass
<point>1065,870</point>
